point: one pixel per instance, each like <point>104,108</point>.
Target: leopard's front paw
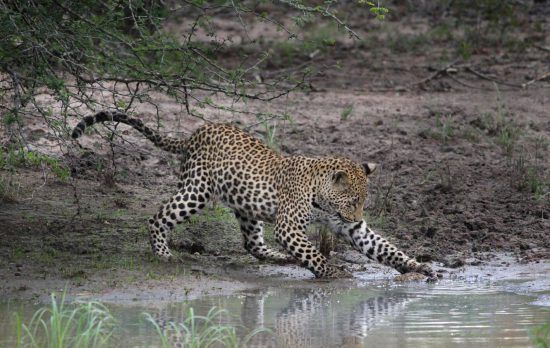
<point>412,266</point>
<point>425,269</point>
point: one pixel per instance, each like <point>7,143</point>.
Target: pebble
<point>454,263</point>
<point>409,277</point>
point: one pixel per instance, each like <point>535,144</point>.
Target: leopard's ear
<point>340,179</point>
<point>369,167</point>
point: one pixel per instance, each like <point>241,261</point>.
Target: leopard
<point>260,185</point>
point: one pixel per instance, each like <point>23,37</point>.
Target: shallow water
<point>451,313</point>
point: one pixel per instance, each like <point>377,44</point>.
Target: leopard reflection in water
<point>315,318</point>
<point>308,318</point>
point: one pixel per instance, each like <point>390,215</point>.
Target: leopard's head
<point>343,190</point>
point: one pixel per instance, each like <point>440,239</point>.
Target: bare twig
<point>238,13</point>
<point>437,73</point>
<point>325,12</point>
<point>467,84</point>
<point>540,78</point>
<point>488,78</point>
<point>543,48</point>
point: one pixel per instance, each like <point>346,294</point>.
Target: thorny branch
<point>83,57</point>
<point>71,76</point>
<point>452,69</point>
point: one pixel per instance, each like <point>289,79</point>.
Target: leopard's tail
<point>166,143</point>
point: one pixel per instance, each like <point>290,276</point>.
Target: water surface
<point>314,314</point>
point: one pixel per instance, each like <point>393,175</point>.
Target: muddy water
<point>415,316</point>
<point>451,313</point>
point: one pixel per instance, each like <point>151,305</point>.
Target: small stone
<point>409,277</point>
<point>17,274</point>
<point>490,220</point>
<point>430,232</point>
<point>474,225</point>
<point>424,258</point>
<point>472,261</point>
<point>454,263</point>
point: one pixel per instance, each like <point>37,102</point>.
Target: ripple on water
<point>542,300</point>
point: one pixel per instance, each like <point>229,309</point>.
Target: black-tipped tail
<point>100,117</point>
<point>166,143</point>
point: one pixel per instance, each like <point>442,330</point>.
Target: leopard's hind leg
<point>252,231</point>
<point>190,199</point>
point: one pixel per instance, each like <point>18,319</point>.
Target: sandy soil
<point>463,171</point>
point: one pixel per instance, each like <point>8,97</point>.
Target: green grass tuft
<point>90,324</point>
<point>61,325</point>
<point>346,113</point>
<point>201,331</point>
<point>540,336</point>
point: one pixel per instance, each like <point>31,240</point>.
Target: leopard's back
<point>241,170</point>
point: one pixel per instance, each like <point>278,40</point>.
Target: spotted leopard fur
<point>259,184</point>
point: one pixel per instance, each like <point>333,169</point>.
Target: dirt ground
<point>463,173</point>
